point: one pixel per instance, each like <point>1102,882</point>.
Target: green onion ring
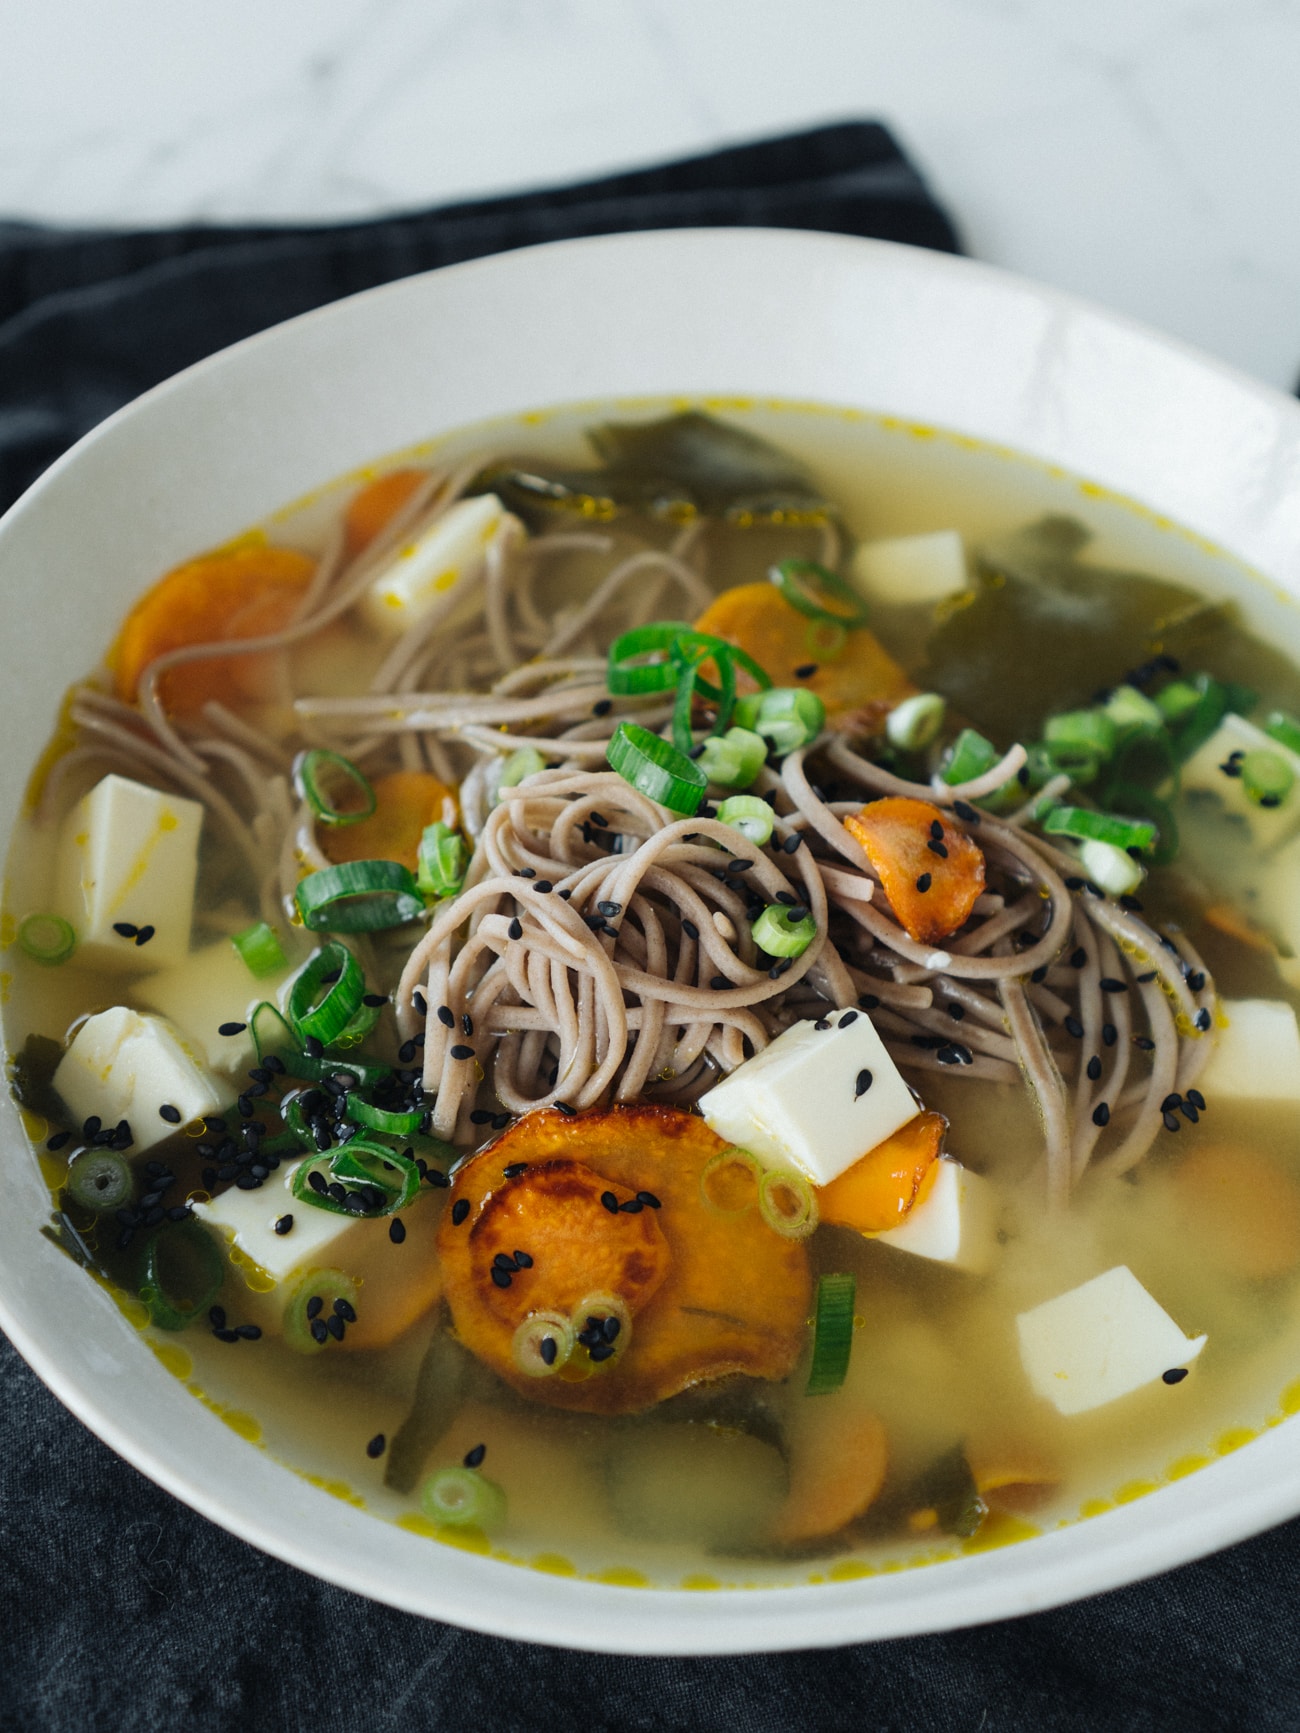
<point>47,939</point>
<point>832,1334</point>
<point>656,769</point>
<point>169,1311</point>
<point>360,1112</point>
<point>309,772</point>
<point>1078,821</point>
<point>99,1180</point>
<point>463,1498</point>
<point>360,896</point>
<point>358,1162</point>
<point>795,578</point>
<point>627,673</point>
<point>328,1016</point>
<point>261,950</point>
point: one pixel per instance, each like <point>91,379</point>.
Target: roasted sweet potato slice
<point>877,1192</point>
<point>851,672</point>
<point>838,1457</point>
<point>373,506</point>
<point>930,869</point>
<point>405,802</point>
<point>247,592</point>
<point>733,1297</point>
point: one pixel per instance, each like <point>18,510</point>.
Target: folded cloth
<point>90,320</point>
<point>124,1611</point>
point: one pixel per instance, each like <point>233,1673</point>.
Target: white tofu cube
<point>213,987</point>
<point>397,1281</point>
<point>1099,1342</point>
<point>904,569</point>
<point>816,1099</point>
<point>1204,770</point>
<point>448,556</point>
<point>128,855</point>
<point>1257,1056</point>
<point>122,1065</point>
<point>954,1222</point>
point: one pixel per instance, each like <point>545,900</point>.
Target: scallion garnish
<point>543,1343</point>
<point>261,950</point>
<point>1111,869</point>
<point>325,1014</point>
<point>1121,833</point>
<point>916,721</point>
<point>463,1498</point>
<point>1266,777</point>
<point>47,939</point>
<point>639,660</point>
<point>832,1334</point>
<point>360,1112</point>
<point>99,1180</point>
<point>969,756</point>
<point>787,1203</point>
<point>656,769</point>
<point>443,856</point>
<point>775,933</point>
<point>820,593</point>
<point>317,1296</point>
<point>527,761</point>
<point>749,815</point>
<point>374,1179</point>
<point>360,896</point>
<point>787,716</point>
<point>1093,732</point>
<point>734,759</point>
<point>1130,709</point>
<point>1281,726</point>
<point>335,790</point>
<point>182,1275</point>
<point>272,1036</point>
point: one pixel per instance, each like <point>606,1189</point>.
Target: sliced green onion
<point>916,721</point>
<point>291,1111</point>
<point>1132,797</point>
<point>360,896</point>
<point>691,643</point>
<point>361,1112</point>
<point>321,1009</point>
<point>1111,869</point>
<point>969,756</point>
<point>1199,722</point>
<point>463,1498</point>
<point>47,939</point>
<point>1177,700</point>
<point>606,1313</point>
<point>730,1181</point>
<point>1281,726</point>
<point>182,1275</point>
<point>527,761</point>
<point>749,815</point>
<point>832,1334</point>
<point>376,1180</point>
<point>1047,759</point>
<point>443,856</point>
<point>261,950</point>
<point>1091,731</point>
<point>1078,821</point>
<point>787,1203</point>
<point>1130,709</point>
<point>99,1180</point>
<point>271,1034</point>
<point>656,769</point>
<point>775,933</point>
<point>324,1285</point>
<point>631,668</point>
<point>788,716</point>
<point>317,772</point>
<point>542,1344</point>
<point>819,593</point>
<point>733,759</point>
<point>359,1025</point>
<point>1266,777</point>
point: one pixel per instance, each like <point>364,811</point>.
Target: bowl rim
<point>490,1596</point>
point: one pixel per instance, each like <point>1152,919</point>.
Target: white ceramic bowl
<point>794,316</point>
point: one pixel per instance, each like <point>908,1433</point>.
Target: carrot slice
<point>1242,1207</point>
<point>853,675</point>
<point>838,1456</point>
<point>405,802</point>
<point>375,505</point>
<point>246,593</point>
<point>931,893</point>
<point>733,1298</point>
<point>1012,1474</point>
<point>877,1192</point>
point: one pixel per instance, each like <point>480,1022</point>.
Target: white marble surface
<point>1145,153</point>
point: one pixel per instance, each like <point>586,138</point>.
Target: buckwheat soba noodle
<point>650,998</point>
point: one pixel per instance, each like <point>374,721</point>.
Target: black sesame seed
<point>247,1182</point>
<point>1232,766</point>
<point>481,1116</point>
<point>847,1018</point>
<point>1203,1020</point>
<point>720,983</point>
<point>503,1261</point>
<point>1074,1027</point>
<point>1172,1122</point>
<point>822,1023</point>
<point>1039,974</point>
<point>602,707</point>
<point>377,1445</point>
<point>58,1140</point>
<point>125,930</point>
<point>1190,1113</point>
<point>649,1199</point>
<point>523,1261</point>
<point>791,843</point>
<point>610,1202</point>
<point>315,1306</point>
<point>249,1332</point>
<point>954,1053</point>
<point>461,1051</point>
<point>868,1001</point>
<point>965,811</point>
<point>514,1170</point>
<point>1078,958</point>
<point>501,1277</point>
<point>1145,1042</point>
<point>863,1083</point>
<point>739,866</point>
<point>1171,1102</point>
<point>238,1029</point>
<point>798,912</point>
<point>226,1335</point>
<point>924,882</point>
<point>397,1230</point>
<point>436,1177</point>
<point>549,1350</point>
<point>474,1457</point>
<point>1075,883</point>
<point>778,969</point>
<point>601,1351</point>
<point>805,670</point>
<point>938,848</point>
<point>1109,1034</point>
<point>1109,984</point>
<point>1131,904</point>
<point>1196,1098</point>
<point>335,1325</point>
<point>91,1126</point>
<point>544,887</point>
<point>1094,1068</point>
<point>564,1108</point>
<point>690,929</point>
<point>1196,980</point>
<point>632,1207</point>
<point>144,935</point>
<point>1101,1114</point>
<point>319,1333</point>
<point>500,1121</point>
<point>1174,1375</point>
<point>459,1210</point>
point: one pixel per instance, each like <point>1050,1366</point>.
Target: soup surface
<point>708,997</point>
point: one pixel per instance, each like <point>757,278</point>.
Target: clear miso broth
<point>686,992</point>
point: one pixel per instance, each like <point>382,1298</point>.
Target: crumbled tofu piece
<point>128,855</point>
<point>398,1281</point>
<point>211,988</point>
<point>448,556</point>
<point>122,1065</point>
<point>1257,1055</point>
<point>1269,825</point>
<point>815,1099</point>
<point>953,1222</point>
<point>1099,1342</point>
<point>927,568</point>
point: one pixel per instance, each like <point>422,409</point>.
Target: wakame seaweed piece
<point>713,463</point>
<point>434,1405</point>
<point>61,1232</point>
<point>31,1076</point>
<point>1043,632</point>
<point>538,494</point>
<point>948,1488</point>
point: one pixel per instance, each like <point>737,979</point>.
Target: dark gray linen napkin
<point>121,1611</point>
